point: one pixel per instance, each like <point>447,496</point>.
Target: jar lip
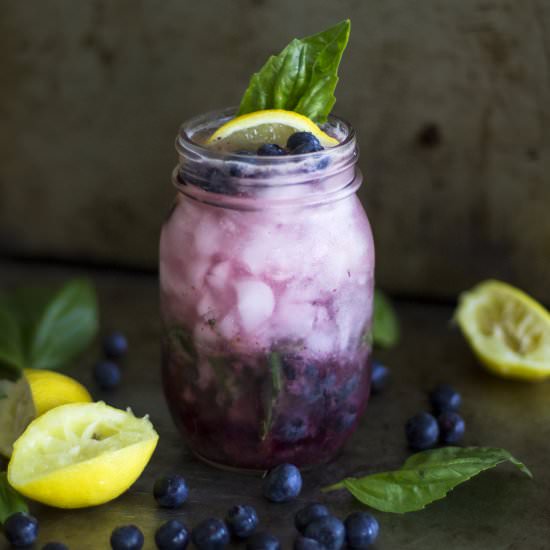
<point>186,145</point>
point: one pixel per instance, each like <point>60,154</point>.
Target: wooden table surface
<point>500,509</point>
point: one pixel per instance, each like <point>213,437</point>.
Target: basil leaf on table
<point>10,500</point>
<point>425,477</point>
<point>45,330</point>
<point>302,78</point>
<point>385,326</point>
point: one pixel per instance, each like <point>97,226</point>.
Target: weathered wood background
<point>451,100</point>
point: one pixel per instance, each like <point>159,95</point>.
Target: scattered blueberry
<point>308,514</point>
<point>290,429</point>
<point>127,537</point>
<point>172,535</point>
<point>304,140</point>
<point>307,148</point>
<point>361,530</point>
<point>328,531</point>
<point>422,431</point>
<point>263,541</point>
<point>303,543</point>
<point>115,345</point>
<point>107,375</point>
<point>379,378</point>
<point>21,529</point>
<point>210,534</point>
<point>451,427</point>
<point>242,520</point>
<point>170,491</point>
<point>445,398</point>
<point>270,150</point>
<point>283,483</point>
<point>55,546</point>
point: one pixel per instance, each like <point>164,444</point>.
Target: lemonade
<point>266,273</point>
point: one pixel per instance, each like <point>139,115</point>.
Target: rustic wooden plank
<point>498,509</point>
<point>451,102</point>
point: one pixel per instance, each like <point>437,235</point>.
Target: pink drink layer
<point>265,318</point>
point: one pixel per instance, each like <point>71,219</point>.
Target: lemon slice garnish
<point>269,126</point>
<point>35,393</point>
<point>82,454</point>
<point>507,329</point>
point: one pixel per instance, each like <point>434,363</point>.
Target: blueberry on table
<point>308,514</point>
<point>115,345</point>
<point>107,375</point>
<point>210,534</point>
<point>451,427</point>
<point>329,531</point>
<point>21,529</point>
<point>422,431</point>
<point>379,378</point>
<point>305,140</point>
<point>270,150</point>
<point>55,546</point>
<point>263,541</point>
<point>445,398</point>
<point>127,537</point>
<point>283,483</point>
<point>172,535</point>
<point>170,491</point>
<point>361,530</point>
<point>303,543</point>
<point>241,520</point>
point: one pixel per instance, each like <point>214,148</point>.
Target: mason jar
<point>266,287</point>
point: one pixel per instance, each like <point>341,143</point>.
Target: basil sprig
<point>45,330</point>
<point>302,78</point>
<point>10,500</point>
<point>424,477</point>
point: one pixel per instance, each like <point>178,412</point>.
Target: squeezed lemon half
<point>268,126</point>
<point>82,454</point>
<point>36,392</point>
<point>507,329</point>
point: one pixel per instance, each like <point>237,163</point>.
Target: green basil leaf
<point>10,500</point>
<point>385,326</point>
<point>302,77</point>
<point>11,341</point>
<point>64,327</point>
<point>424,478</point>
<point>271,392</point>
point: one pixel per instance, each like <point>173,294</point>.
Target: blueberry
<point>115,345</point>
<point>242,520</point>
<point>172,535</point>
<point>299,139</point>
<point>270,150</point>
<point>107,375</point>
<point>210,534</point>
<point>55,546</point>
<point>422,431</point>
<point>263,541</point>
<point>445,398</point>
<point>283,483</point>
<point>170,491</point>
<point>21,529</point>
<point>127,537</point>
<point>328,531</point>
<point>306,148</point>
<point>308,514</point>
<point>303,543</point>
<point>217,182</point>
<point>361,530</point>
<point>290,430</point>
<point>451,427</point>
<point>379,378</point>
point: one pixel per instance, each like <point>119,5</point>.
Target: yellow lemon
<point>507,329</point>
<point>35,393</point>
<point>82,454</point>
<point>269,126</point>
